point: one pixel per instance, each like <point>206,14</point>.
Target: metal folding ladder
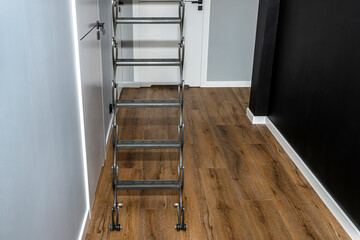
<point>148,144</point>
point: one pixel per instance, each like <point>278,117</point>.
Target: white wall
<point>42,189</point>
<point>106,60</point>
<point>126,42</point>
<point>92,91</point>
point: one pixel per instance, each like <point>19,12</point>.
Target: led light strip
<point>81,114</point>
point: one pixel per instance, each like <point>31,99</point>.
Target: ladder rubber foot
<point>179,227</point>
<point>117,227</point>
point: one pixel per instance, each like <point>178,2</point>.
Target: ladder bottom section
<point>147,184</point>
<point>148,104</point>
<point>148,144</point>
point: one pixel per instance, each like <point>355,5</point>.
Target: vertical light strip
<point>81,114</point>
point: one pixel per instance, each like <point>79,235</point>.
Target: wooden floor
<point>239,182</point>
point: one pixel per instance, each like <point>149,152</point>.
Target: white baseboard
<point>84,226</point>
<point>325,196</point>
<point>253,119</point>
<point>220,84</point>
<point>146,84</point>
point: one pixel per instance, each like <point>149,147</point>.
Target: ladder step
<point>147,20</point>
<point>164,1</point>
<point>148,144</point>
<point>147,184</point>
<point>147,103</point>
<point>148,62</point>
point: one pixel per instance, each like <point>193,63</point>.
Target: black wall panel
<point>315,91</point>
<point>264,55</point>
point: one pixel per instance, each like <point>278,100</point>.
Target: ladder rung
<point>148,62</point>
<point>147,103</point>
<point>147,20</point>
<point>164,1</point>
<point>147,184</point>
<point>148,144</point>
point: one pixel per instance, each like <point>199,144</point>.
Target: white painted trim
<point>108,134</point>
<point>131,84</point>
<point>253,119</point>
<point>146,84</point>
<point>220,84</point>
<point>136,41</point>
<point>102,89</point>
<point>325,196</point>
<point>205,55</point>
<point>207,85</point>
<point>205,43</point>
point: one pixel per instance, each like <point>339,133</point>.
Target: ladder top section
<point>147,184</point>
<point>148,62</point>
<point>167,103</point>
<point>148,20</point>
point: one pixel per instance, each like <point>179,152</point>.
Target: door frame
<point>205,55</point>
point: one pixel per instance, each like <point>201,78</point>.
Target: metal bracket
<point>99,26</point>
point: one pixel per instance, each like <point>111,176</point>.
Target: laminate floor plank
<point>220,109</point>
<point>248,182</point>
<point>265,221</point>
<point>226,216</point>
<point>206,146</point>
<point>131,210</point>
<point>197,211</point>
<point>303,186</point>
<point>298,215</point>
<point>239,182</point>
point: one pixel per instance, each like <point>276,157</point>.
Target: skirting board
<point>325,196</point>
<point>253,119</point>
<point>220,84</point>
<point>217,84</point>
<point>145,84</point>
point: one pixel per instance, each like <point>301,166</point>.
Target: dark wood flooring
<point>239,182</point>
